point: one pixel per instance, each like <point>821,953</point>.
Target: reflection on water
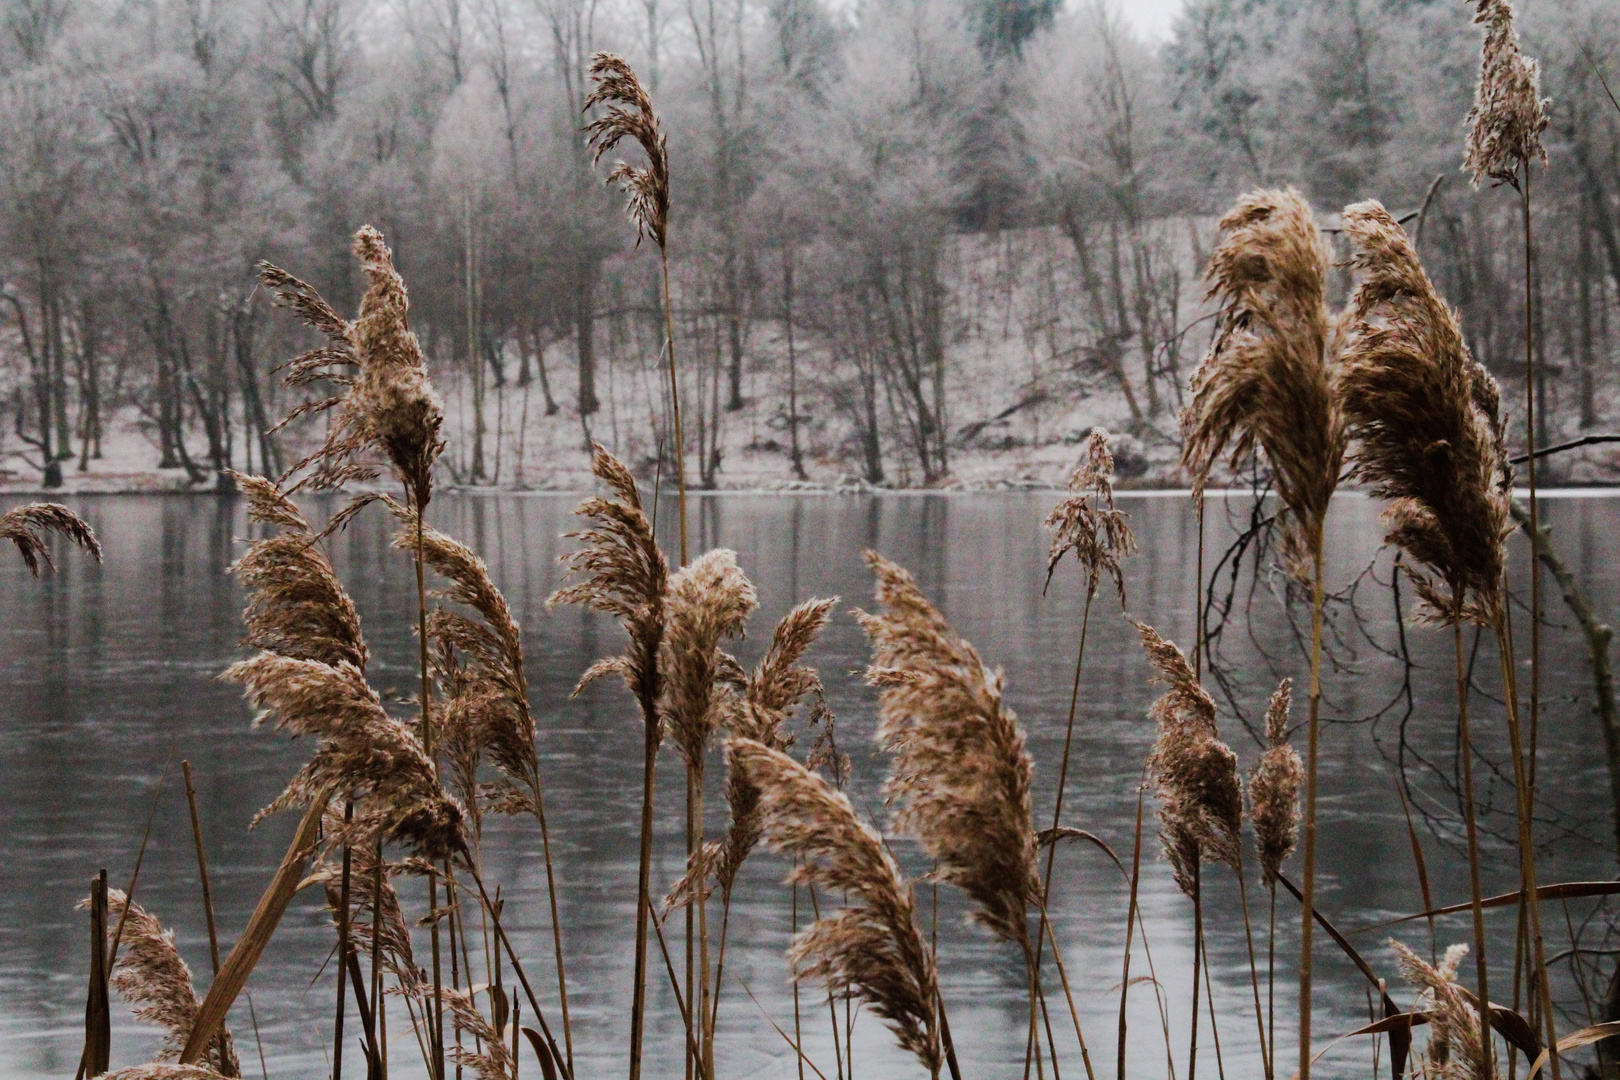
<point>107,679</point>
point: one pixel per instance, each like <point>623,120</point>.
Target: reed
<point>1455,1051</point>
<point>1274,786</point>
<point>775,687</point>
<point>629,114</point>
<point>960,780</point>
<point>709,601</point>
<point>621,571</point>
<point>1267,384</point>
<point>873,951</point>
<point>1504,140</point>
<point>1425,418</point>
<point>1199,790</point>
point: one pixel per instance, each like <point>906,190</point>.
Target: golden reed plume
<point>630,115</point>
<point>961,776</point>
<point>1509,113</point>
<point>1455,1051</point>
<point>873,951</point>
<point>385,406</point>
<point>155,980</point>
<point>1266,381</point>
<point>1200,792</point>
<point>1426,418</point>
<point>1087,522</point>
<point>1274,789</point>
<point>28,526</point>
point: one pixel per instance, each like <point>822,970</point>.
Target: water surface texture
<point>108,679</point>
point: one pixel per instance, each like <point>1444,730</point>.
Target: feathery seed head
<point>1426,419</point>
<point>1509,114</point>
<point>152,977</point>
<point>620,570</point>
<point>709,601</point>
<point>961,775</point>
<point>1455,1050</point>
<point>1274,789</point>
<point>1266,381</point>
<point>1099,535</point>
<point>296,605</point>
<point>27,527</point>
<point>873,950</point>
<point>630,115</point>
<point>386,405</point>
<point>1196,774</point>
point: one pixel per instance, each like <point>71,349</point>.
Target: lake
<point>108,679</point>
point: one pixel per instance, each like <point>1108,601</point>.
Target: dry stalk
<point>1274,787</point>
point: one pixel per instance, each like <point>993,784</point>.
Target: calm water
<point>107,679</point>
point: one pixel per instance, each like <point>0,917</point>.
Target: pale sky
<point>1151,18</point>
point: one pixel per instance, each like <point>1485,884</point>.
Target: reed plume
<point>385,411</point>
<point>1426,419</point>
<point>28,526</point>
<point>1455,1051</point>
<point>873,951</point>
<point>1274,789</point>
<point>1266,382</point>
<point>491,1060</point>
<point>630,115</point>
<point>1425,416</point>
<point>620,570</point>
<point>160,1071</point>
<point>151,975</point>
<point>1087,522</point>
<point>1509,114</point>
<point>376,918</point>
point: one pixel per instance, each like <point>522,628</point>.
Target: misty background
<point>914,242</point>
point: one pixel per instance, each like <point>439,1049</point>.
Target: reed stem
<point>1254,973</point>
<point>1466,752</point>
<point>638,1006</point>
<point>342,947</point>
<point>1198,956</point>
<point>556,924</point>
<point>674,401</point>
<point>1130,930</point>
<point>436,1011</point>
<point>207,893</point>
<point>1308,902</point>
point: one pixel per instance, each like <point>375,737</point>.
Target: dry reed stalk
<point>773,689</point>
<point>486,714</point>
<point>1100,536</point>
<point>1426,417</point>
<point>153,978</point>
<point>708,601</point>
<point>28,526</point>
<point>630,115</point>
<point>621,571</point>
<point>202,873</point>
<point>385,413</point>
<point>1274,786</point>
<point>1267,383</point>
<point>1199,790</point>
<point>961,775</point>
<point>874,951</point>
<point>1504,136</point>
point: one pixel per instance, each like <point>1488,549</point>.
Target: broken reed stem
<point>1466,751</point>
<point>1130,929</point>
<point>1254,972</point>
<point>1525,771</point>
<point>342,944</point>
<point>1308,902</point>
<point>1527,851</point>
<point>674,404</point>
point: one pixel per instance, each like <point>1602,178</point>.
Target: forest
<point>913,242</point>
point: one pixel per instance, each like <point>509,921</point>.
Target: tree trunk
<point>585,337</point>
